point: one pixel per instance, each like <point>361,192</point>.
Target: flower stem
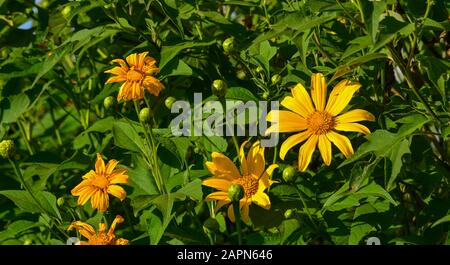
<point>305,208</point>
<point>237,218</point>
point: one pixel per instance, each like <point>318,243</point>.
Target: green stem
<point>26,138</point>
<point>305,208</point>
<point>409,80</point>
<point>237,218</point>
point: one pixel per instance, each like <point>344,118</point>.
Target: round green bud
<point>109,102</point>
<point>60,201</point>
<point>7,148</point>
<point>4,54</point>
<point>235,192</point>
<point>229,45</point>
<point>197,150</point>
<point>66,11</point>
<point>275,79</point>
<point>265,95</point>
<point>219,88</point>
<point>145,115</point>
<point>241,74</point>
<point>289,174</point>
<point>288,213</point>
<point>169,102</point>
<point>259,69</point>
<point>44,4</point>
<point>27,242</point>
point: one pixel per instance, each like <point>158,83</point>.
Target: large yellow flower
<point>103,237</point>
<point>255,178</point>
<point>318,123</point>
<point>97,184</point>
<point>137,74</point>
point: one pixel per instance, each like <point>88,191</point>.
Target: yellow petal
<point>120,71</point>
<point>122,63</point>
<point>84,229</point>
<point>335,92</point>
<point>141,60</point>
<point>218,195</point>
<point>255,159</point>
<point>293,140</point>
<point>85,195</point>
<point>291,104</point>
<point>231,213</point>
<point>342,143</point>
<point>119,219</point>
<point>217,183</point>
<point>325,149</point>
<point>306,151</point>
<point>318,91</point>
<point>245,212</point>
<point>265,181</point>
<point>132,59</point>
<point>243,159</point>
<point>352,127</point>
<point>261,199</point>
<point>99,164</point>
<point>111,165</point>
<point>222,167</point>
<point>153,85</point>
<point>302,97</point>
<point>116,79</point>
<point>355,116</point>
<point>220,204</point>
<point>117,191</point>
<point>90,175</point>
<point>285,121</point>
<point>342,98</point>
<point>118,176</point>
<point>85,183</point>
<point>103,202</point>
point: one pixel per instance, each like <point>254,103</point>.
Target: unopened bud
<point>145,115</point>
<point>219,88</point>
<point>229,45</point>
<point>289,174</point>
<point>235,192</point>
<point>109,102</point>
<point>275,79</point>
<point>169,102</point>
<point>288,213</point>
<point>7,148</point>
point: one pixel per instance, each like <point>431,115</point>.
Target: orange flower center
<point>134,75</point>
<point>320,122</point>
<point>101,181</point>
<point>250,185</point>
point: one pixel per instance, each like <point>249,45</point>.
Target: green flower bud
<point>109,102</point>
<point>145,115</point>
<point>275,79</point>
<point>169,102</point>
<point>259,69</point>
<point>229,45</point>
<point>289,174</point>
<point>219,88</point>
<point>265,95</point>
<point>66,11</point>
<point>60,201</point>
<point>44,4</point>
<point>7,149</point>
<point>235,192</point>
<point>241,74</point>
<point>288,213</point>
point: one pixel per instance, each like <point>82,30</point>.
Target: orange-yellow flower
<point>318,123</point>
<point>137,74</point>
<point>97,184</point>
<point>100,238</point>
<point>255,179</point>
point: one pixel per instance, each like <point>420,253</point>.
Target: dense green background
<point>52,86</point>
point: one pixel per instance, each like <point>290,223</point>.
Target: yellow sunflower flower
<point>97,184</point>
<point>318,123</point>
<point>100,238</point>
<point>137,74</point>
<point>255,179</point>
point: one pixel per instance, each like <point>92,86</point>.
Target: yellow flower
<point>318,124</point>
<point>102,238</point>
<point>254,180</point>
<point>137,74</point>
<point>97,184</point>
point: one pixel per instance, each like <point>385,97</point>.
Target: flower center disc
<point>100,181</point>
<point>250,185</point>
<point>134,75</point>
<point>320,122</point>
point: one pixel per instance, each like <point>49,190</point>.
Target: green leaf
<point>240,93</point>
<point>16,106</point>
<point>169,52</point>
<point>15,228</point>
<point>350,66</point>
<point>193,190</point>
<point>102,126</point>
<point>360,228</point>
<point>374,189</point>
<point>441,220</point>
<point>378,8</point>
<point>265,53</point>
<point>176,68</point>
<point>126,136</point>
<point>23,200</point>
